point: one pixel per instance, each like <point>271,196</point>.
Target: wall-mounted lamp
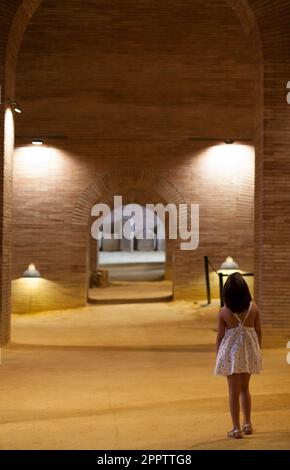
<point>37,141</point>
<point>31,272</point>
<point>218,140</point>
<point>229,265</point>
<point>15,106</point>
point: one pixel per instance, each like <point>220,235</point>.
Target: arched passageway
<point>128,261</point>
<point>271,128</point>
<point>150,120</point>
<point>186,279</point>
<point>137,186</point>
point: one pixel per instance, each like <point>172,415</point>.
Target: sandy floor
<point>130,377</point>
<point>121,290</point>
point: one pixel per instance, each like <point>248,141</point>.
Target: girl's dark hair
<point>236,294</point>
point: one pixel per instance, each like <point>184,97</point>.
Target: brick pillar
<point>3,310</point>
<point>272,202</point>
<point>169,258</point>
<point>10,38</point>
<point>93,255</point>
<point>7,145</point>
<point>273,209</point>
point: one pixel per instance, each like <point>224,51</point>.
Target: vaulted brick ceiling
<point>7,13</point>
<point>146,69</point>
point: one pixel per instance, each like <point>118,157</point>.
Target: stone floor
<point>130,377</point>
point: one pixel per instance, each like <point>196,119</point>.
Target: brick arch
<point>20,22</point>
<point>27,8</point>
<point>114,183</point>
<point>267,23</point>
<point>9,49</point>
<point>246,16</point>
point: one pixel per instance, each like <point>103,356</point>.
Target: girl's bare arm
<point>221,328</point>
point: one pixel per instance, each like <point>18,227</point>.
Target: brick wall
<point>7,11</point>
<point>273,166</point>
<point>48,114</point>
<point>128,88</point>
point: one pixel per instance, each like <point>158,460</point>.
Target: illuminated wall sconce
<point>37,141</point>
<point>229,265</point>
<point>15,106</point>
<point>31,272</point>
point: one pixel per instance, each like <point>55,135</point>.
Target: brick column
<point>169,258</point>
<point>93,255</point>
<point>273,208</point>
<point>7,12</point>
<point>272,201</point>
<point>7,145</point>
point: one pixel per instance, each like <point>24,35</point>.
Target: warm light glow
<point>214,283</point>
<point>31,282</point>
<point>228,272</point>
<point>34,161</point>
<point>33,294</point>
<point>9,133</point>
<point>227,163</point>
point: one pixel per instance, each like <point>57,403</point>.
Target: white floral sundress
<point>239,352</point>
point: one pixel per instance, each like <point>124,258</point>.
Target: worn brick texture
<point>7,12</point>
<point>124,87</point>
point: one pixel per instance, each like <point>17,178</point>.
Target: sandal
<point>247,429</point>
<point>235,434</point>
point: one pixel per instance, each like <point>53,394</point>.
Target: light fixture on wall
<point>15,106</point>
<point>31,272</point>
<point>219,140</point>
<point>37,141</point>
<point>229,265</point>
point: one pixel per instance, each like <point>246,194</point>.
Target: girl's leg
<point>234,398</point>
<point>246,397</point>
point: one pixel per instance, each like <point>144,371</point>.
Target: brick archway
<point>246,16</point>
<point>122,182</point>
<point>9,49</point>
<point>21,20</point>
<point>114,183</point>
<point>27,8</point>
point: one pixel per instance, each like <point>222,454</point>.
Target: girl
<point>238,349</point>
